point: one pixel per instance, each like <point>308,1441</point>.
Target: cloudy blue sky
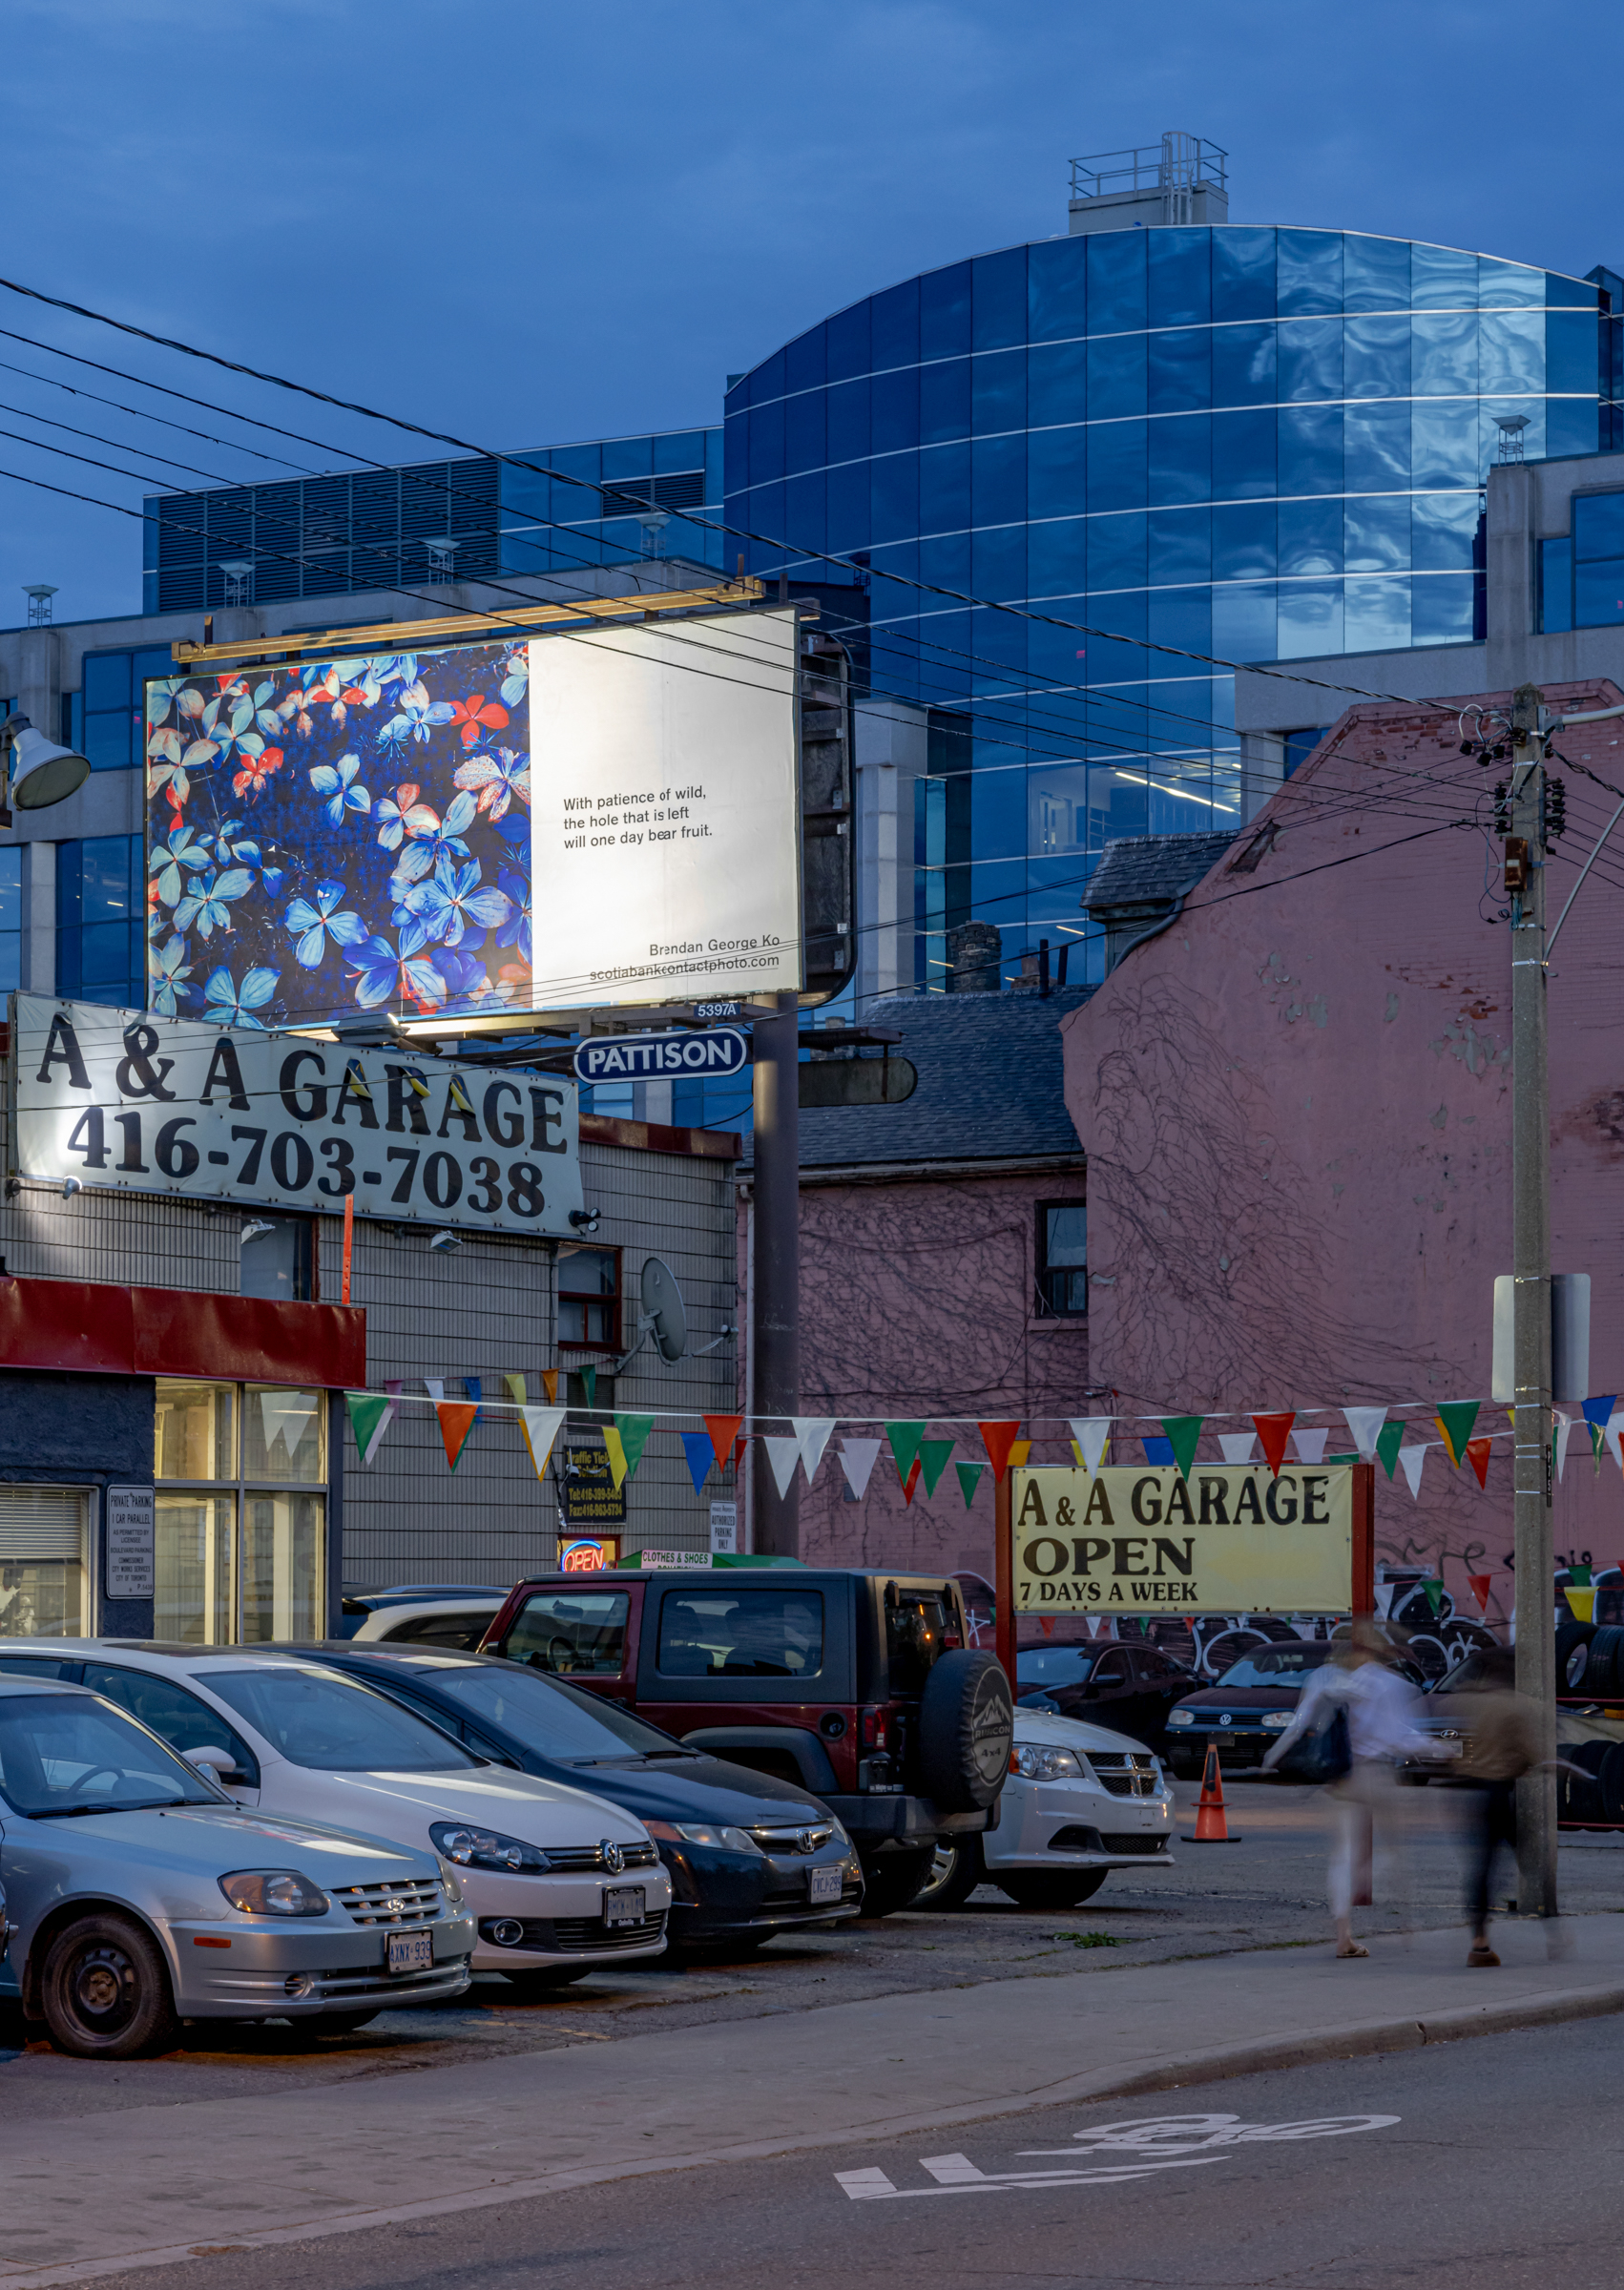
<point>529,224</point>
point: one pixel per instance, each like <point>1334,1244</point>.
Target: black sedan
<point>1248,1709</point>
<point>1130,1687</point>
<point>749,1855</point>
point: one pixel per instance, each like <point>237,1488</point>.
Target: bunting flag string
<point>1091,1434</point>
<point>616,1454</point>
<point>697,1447</point>
<point>904,1439</point>
<point>784,1454</point>
<point>550,1385</point>
<point>857,1460</point>
<point>1455,1419</point>
<point>722,1430</point>
<point>516,1392</point>
<point>1364,1426</point>
<point>1614,1424</point>
<point>286,1415</point>
<point>1019,1453</point>
<point>812,1431</point>
<point>911,1483</point>
<point>588,1384</point>
<point>369,1420</point>
<point>1410,1460</point>
<point>1481,1586</point>
<point>1384,1593</point>
<point>1236,1446</point>
<point>540,1426</point>
<point>933,1454</point>
<point>969,1479</point>
<point>1183,1433</point>
<point>1562,1431</point>
<point>456,1422</point>
<point>1477,1454</point>
<point>998,1438</point>
<point>1272,1431</point>
<point>1310,1446</point>
<point>1158,1448</point>
<point>1387,1441</point>
<point>634,1431</point>
<point>435,1387</point>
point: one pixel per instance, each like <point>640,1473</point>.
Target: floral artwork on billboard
<point>339,837</point>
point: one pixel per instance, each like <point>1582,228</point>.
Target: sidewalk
<point>147,2183</point>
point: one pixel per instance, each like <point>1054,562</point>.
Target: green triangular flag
<point>1184,1431</point>
<point>1579,1576</point>
<point>1351,1457</point>
<point>969,1479</point>
<point>634,1431</point>
<point>369,1418</point>
<point>1434,1595</point>
<point>1455,1420</point>
<point>588,1384</point>
<point>904,1439</point>
<point>933,1454</point>
<point>1387,1444</point>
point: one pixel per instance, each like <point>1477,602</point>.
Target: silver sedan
<point>138,1895</point>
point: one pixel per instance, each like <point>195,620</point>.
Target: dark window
<point>280,1263</point>
<point>743,1633</point>
<point>559,1720</point>
<point>461,1630</point>
<point>1062,1257</point>
<point>1053,1666</point>
<point>331,1726</point>
<point>916,1626</point>
<point>1301,745</point>
<point>174,1716</point>
<point>573,1632</point>
<point>589,1298</point>
<point>100,909</point>
<point>1111,1671</point>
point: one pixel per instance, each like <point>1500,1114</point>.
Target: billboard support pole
<point>1003,1574</point>
<point>774,1288</point>
<point>1363,1539</point>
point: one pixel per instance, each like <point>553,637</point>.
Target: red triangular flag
<point>910,1482</point>
<point>723,1430</point>
<point>739,1446</point>
<point>1273,1431</point>
<point>1477,1453</point>
<point>998,1438</point>
<point>456,1422</point>
<point>1481,1586</point>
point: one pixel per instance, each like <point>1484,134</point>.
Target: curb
<point>1210,2065</point>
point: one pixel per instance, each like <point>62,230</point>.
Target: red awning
<point>90,1327</point>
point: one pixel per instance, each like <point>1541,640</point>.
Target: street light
<point>40,772</point>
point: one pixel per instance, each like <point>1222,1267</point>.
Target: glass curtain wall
<point>1247,442</point>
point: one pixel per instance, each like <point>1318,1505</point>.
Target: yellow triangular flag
<point>1583,1604</point>
<point>616,1455</point>
<point>516,1388</point>
<point>1019,1450</point>
<point>1078,1453</point>
<point>540,1427</point>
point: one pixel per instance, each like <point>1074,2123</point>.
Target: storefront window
<point>241,1551</point>
<point>42,1561</point>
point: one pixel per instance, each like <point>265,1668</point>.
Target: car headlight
<point>1276,1721</point>
<point>1182,1718</point>
<point>450,1885</point>
<point>1040,1764</point>
<point>274,1892</point>
<point>485,1848</point>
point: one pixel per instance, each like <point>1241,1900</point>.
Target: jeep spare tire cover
<point>966,1728</point>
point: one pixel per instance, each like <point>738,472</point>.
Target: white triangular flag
<point>1310,1446</point>
<point>1564,1432</point>
<point>812,1435</point>
<point>1237,1445</point>
<point>540,1427</point>
<point>1615,1426</point>
<point>857,1462</point>
<point>289,1412</point>
<point>435,1387</point>
<point>1364,1423</point>
<point>1410,1460</point>
<point>1384,1589</point>
<point>784,1454</point>
<point>1093,1434</point>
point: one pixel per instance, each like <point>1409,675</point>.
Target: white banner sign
<point>142,1104</point>
<point>666,818</point>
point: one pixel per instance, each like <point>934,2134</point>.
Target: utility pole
<point>1531,1272</point>
<point>775,1287</point>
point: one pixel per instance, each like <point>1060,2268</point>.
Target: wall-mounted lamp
<point>585,1220</point>
<point>447,1241</point>
<point>70,1186</point>
<point>253,1229</point>
<point>40,773</point>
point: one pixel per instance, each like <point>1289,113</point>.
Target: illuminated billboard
<point>600,816</point>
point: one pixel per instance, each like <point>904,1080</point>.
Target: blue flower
<point>228,1004</point>
<point>205,903</point>
<point>183,849</point>
<point>517,682</point>
<point>381,974</point>
<point>417,712</point>
<point>338,783</point>
<point>515,931</point>
<point>168,969</point>
<point>451,902</point>
<point>315,922</point>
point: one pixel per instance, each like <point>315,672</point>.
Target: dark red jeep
<point>856,1683</point>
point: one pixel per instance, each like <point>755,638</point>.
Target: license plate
<point>823,1886</point>
<point>623,1905</point>
<point>409,1951</point>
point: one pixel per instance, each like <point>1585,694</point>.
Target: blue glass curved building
<point>1246,441</point>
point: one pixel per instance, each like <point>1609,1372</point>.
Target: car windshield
<point>64,1753</point>
<point>1275,1666</point>
<point>335,1726</point>
<point>558,1721</point>
<point>1053,1666</point>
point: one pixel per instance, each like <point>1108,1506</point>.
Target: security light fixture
<point>70,1186</point>
<point>253,1229</point>
<point>585,1220</point>
<point>447,1241</point>
<point>40,773</point>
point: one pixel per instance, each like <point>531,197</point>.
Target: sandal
<point>1351,1947</point>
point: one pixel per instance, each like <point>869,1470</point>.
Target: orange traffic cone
<point>1211,1825</point>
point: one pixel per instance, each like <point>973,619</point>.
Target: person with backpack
<point>1355,1721</point>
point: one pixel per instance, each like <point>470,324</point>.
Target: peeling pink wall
<point>916,1300</point>
<point>1296,1105</point>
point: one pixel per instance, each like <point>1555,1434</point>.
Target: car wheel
<point>955,1870</point>
<point>890,1883</point>
<point>105,1990</point>
<point>1572,1656</point>
<point>1033,1890</point>
<point>541,1982</point>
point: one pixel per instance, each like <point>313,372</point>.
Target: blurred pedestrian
<point>1355,1721</point>
<point>1502,1734</point>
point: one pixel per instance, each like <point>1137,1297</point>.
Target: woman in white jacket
<point>1380,1709</point>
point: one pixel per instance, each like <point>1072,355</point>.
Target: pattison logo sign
<point>1224,1541</point>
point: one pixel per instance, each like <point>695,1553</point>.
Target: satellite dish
<point>664,1309</point>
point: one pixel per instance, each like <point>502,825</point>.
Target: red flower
<point>474,712</point>
<point>253,777</point>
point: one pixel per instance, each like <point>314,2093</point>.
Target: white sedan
<point>560,1881</point>
<point>1080,1801</point>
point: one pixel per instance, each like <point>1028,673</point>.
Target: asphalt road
<point>1489,2163</point>
<point>1268,1890</point>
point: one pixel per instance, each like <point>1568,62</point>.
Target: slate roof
<point>990,1084</point>
<point>1142,868</point>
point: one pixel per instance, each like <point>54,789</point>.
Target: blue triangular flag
<point>701,1454</point>
<point>1598,1413</point>
<point>474,1386</point>
<point>1159,1450</point>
